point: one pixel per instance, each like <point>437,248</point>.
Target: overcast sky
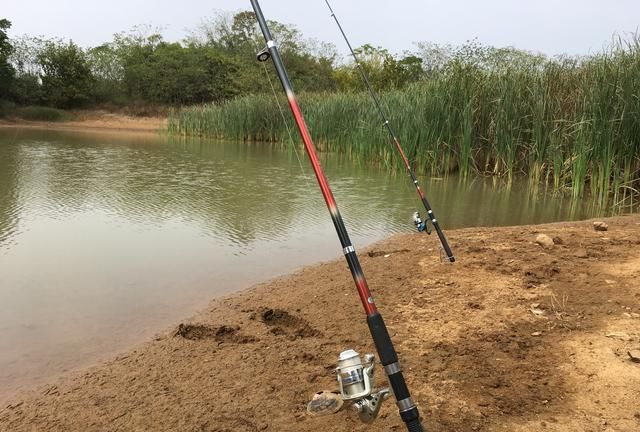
<point>548,26</point>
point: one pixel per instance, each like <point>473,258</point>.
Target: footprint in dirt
<point>375,254</point>
<point>220,334</point>
<point>540,274</point>
<point>283,323</point>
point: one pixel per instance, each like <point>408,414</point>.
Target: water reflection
<point>105,239</point>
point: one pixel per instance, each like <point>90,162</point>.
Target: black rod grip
<point>388,356</point>
<point>381,339</point>
<point>414,426</point>
<point>412,420</point>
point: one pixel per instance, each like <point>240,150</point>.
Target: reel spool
<point>356,386</point>
<point>419,223</point>
<point>355,379</point>
<point>356,383</point>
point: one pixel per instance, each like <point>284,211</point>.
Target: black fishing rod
<point>422,226</point>
<point>379,332</point>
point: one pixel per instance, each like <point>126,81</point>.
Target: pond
<point>108,238</point>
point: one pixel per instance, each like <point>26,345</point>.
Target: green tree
<point>434,56</point>
<point>67,80</point>
<point>27,86</point>
<point>7,72</point>
<point>187,75</point>
<point>26,50</point>
<point>169,73</point>
<point>400,73</point>
<point>474,53</point>
<point>374,61</point>
<point>108,71</point>
<point>27,90</point>
<point>135,50</point>
<point>309,63</point>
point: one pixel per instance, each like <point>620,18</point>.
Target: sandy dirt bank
<point>512,337</point>
<point>96,120</point>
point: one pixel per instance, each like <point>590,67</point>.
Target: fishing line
<point>422,226</point>
<point>284,120</point>
<point>354,377</point>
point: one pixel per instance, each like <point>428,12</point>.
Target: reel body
<point>356,383</point>
<point>420,224</point>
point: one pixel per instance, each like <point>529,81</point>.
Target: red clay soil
<point>512,337</point>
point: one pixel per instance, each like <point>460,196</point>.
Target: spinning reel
<point>420,224</point>
<point>356,386</point>
<point>356,383</point>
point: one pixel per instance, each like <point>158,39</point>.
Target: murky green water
<point>106,239</point>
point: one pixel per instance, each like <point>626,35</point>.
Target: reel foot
<point>369,407</point>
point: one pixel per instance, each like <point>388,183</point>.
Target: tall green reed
<point>569,124</point>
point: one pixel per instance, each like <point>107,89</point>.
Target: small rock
<point>600,226</point>
<point>634,355</point>
<point>536,334</point>
<point>620,335</point>
<point>581,253</point>
<point>537,312</point>
<point>557,240</point>
<point>545,241</point>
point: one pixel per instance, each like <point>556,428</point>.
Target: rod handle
<point>414,426</point>
<point>445,245</point>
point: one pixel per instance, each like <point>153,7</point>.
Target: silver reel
<point>356,383</point>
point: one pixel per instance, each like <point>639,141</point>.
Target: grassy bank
<point>568,123</point>
<point>34,113</point>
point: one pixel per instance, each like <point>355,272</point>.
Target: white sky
<point>548,26</point>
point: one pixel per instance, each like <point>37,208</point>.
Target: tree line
<point>214,63</point>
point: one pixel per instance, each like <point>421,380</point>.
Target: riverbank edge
<point>95,121</point>
<point>234,346</point>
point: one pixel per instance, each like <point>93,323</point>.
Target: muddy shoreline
<point>95,121</point>
<point>512,337</point>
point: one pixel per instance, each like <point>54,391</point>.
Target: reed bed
<point>572,124</point>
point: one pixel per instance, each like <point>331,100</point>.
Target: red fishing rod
<point>379,332</point>
<point>422,226</point>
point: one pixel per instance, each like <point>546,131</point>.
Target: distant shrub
<point>39,113</point>
<point>6,108</point>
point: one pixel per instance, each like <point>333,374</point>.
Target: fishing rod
<point>422,226</point>
<point>354,379</point>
